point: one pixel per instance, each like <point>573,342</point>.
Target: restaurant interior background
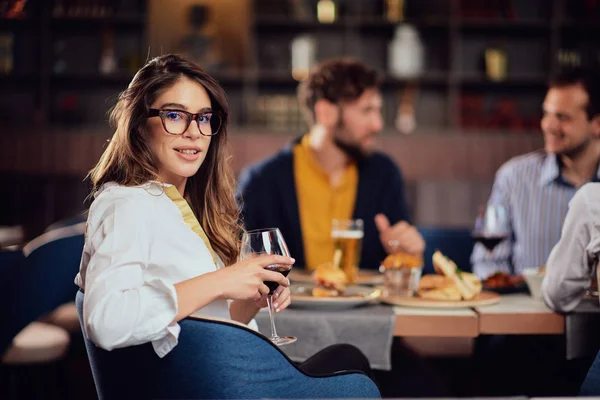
<point>463,84</point>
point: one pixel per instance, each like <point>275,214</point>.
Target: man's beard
<point>353,150</point>
<point>576,151</point>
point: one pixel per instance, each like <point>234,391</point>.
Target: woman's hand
<point>245,280</point>
<point>281,299</point>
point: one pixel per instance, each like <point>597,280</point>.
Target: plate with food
<point>329,290</point>
<point>449,287</point>
<point>503,283</point>
<point>365,276</point>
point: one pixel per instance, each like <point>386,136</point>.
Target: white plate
<point>354,296</point>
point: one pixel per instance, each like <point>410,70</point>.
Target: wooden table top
<point>514,314</point>
<point>520,314</point>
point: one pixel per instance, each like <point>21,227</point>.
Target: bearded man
<point>332,172</point>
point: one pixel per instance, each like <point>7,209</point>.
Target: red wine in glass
<point>268,241</point>
<point>490,242</point>
<point>491,226</point>
<point>282,269</point>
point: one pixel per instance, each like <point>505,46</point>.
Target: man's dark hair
<point>336,80</point>
<point>585,77</point>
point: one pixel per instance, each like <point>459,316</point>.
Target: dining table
<point>429,331</point>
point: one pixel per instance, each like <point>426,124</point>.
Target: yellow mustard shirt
<point>319,203</point>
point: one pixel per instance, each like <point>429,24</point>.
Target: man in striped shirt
<point>537,187</point>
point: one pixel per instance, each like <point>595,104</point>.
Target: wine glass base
<point>283,340</point>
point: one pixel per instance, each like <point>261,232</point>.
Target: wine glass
<point>268,241</point>
<point>491,226</point>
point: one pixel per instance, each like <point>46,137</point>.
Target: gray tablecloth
<point>582,330</point>
<point>370,328</point>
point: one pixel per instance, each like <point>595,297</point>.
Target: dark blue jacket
<point>267,192</point>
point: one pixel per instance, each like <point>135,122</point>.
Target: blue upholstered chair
<point>37,281</point>
<point>591,383</point>
<point>45,280</point>
<point>215,359</point>
<point>11,266</point>
<point>455,243</point>
<point>70,221</point>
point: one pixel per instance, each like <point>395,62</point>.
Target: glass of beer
<point>347,238</point>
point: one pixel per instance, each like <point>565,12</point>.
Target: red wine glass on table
<point>491,226</point>
<point>268,241</point>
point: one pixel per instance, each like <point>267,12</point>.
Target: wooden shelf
<point>18,24</point>
<point>276,77</point>
<point>284,78</point>
<point>21,80</point>
<point>507,24</point>
<point>427,79</point>
<point>420,23</point>
<point>574,26</point>
<point>230,78</point>
<point>533,81</point>
<point>124,21</point>
<point>279,23</point>
<point>69,80</point>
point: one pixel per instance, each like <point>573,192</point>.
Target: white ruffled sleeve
<point>121,307</point>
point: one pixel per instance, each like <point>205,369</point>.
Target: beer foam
<point>347,234</point>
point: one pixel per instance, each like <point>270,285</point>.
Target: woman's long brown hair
<point>129,161</point>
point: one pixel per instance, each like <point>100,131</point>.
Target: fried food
<point>502,280</point>
<point>330,281</point>
<point>402,260</point>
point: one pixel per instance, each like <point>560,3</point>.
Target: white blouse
<point>573,261</point>
<point>137,247</point>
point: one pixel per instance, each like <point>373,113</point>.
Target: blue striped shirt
<point>537,199</point>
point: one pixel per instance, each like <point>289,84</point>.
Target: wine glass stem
<point>274,335</point>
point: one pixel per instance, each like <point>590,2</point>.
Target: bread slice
<point>321,291</point>
<point>444,294</point>
<point>466,285</point>
<point>434,281</point>
<point>438,287</point>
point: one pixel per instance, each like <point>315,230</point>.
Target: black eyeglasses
<point>176,122</point>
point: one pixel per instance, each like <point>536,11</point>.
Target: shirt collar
<point>551,171</point>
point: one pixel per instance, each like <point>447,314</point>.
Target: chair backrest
<point>591,383</point>
<point>11,263</point>
<point>455,243</point>
<point>45,279</point>
<point>70,221</point>
<point>214,359</point>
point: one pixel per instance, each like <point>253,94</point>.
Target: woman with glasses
<point>164,222</point>
<point>164,219</point>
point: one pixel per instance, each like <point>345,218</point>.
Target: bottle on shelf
<point>496,64</point>
<point>326,11</point>
<point>303,49</point>
<point>394,10</point>
<point>6,53</point>
<point>406,53</point>
<point>108,62</point>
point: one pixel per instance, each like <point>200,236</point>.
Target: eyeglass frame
<point>156,112</point>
